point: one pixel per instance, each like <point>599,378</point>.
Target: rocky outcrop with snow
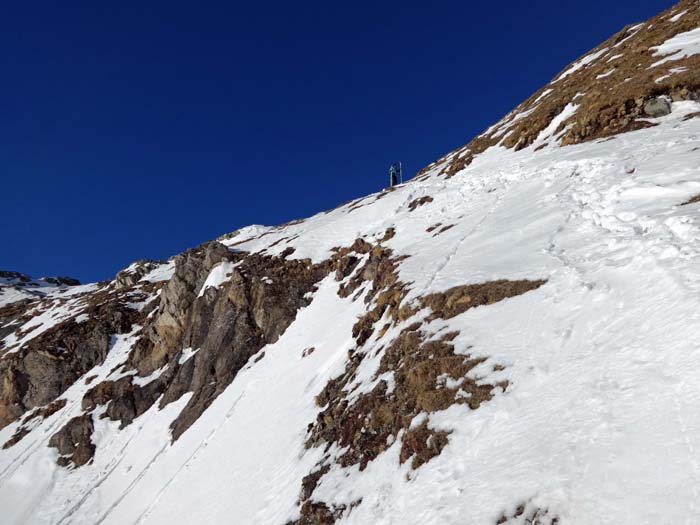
<point>508,338</point>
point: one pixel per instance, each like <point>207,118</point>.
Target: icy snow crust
<point>600,423</point>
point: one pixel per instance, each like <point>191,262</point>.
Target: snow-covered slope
<point>510,341</point>
<point>16,287</point>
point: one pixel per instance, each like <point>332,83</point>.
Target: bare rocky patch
<point>693,200</point>
<point>443,229</point>
<point>18,436</point>
<point>528,514</point>
<point>457,300</point>
<point>41,370</point>
<point>308,351</point>
<point>416,203</point>
<point>228,325</point>
<point>418,373</point>
<point>389,234</point>
<point>74,442</point>
<point>39,413</point>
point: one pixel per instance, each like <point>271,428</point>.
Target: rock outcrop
<point>74,442</point>
<point>43,368</point>
<point>194,339</point>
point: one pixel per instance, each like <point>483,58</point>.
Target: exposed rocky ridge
<point>135,272</point>
<point>42,369</point>
<point>14,276</point>
<point>610,90</point>
<point>225,325</point>
<point>220,326</point>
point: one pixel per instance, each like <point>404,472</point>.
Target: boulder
<point>74,441</point>
<point>657,107</point>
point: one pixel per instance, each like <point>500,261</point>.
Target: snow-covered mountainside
<point>511,337</point>
<point>15,286</point>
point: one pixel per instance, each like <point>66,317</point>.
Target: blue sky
<point>138,130</point>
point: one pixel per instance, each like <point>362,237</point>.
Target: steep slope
<point>508,338</point>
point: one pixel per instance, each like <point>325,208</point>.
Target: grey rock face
<point>657,107</point>
<point>226,325</point>
<point>46,366</point>
<point>131,275</point>
<point>74,441</point>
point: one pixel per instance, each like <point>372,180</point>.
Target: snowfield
<point>600,423</point>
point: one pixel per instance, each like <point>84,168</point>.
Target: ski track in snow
<point>600,422</point>
<point>142,517</point>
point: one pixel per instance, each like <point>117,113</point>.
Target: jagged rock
<point>227,325</point>
<point>16,276</point>
<point>234,323</point>
<point>415,203</point>
<point>18,436</point>
<point>47,365</point>
<point>45,369</point>
<point>74,441</point>
<point>125,401</point>
<point>657,107</point>
<point>10,316</point>
<point>62,281</point>
<point>165,333</point>
<point>132,274</point>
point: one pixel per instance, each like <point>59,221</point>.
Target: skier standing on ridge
<point>393,175</point>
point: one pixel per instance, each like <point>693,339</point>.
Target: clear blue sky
<point>141,129</point>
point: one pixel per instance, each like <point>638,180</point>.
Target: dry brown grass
<point>459,299</point>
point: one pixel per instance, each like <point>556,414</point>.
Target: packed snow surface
<point>218,276</point>
<point>583,62</point>
<point>676,18</point>
<point>600,423</point>
<point>678,47</point>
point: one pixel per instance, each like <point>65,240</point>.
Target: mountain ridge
<point>480,344</point>
<point>608,103</point>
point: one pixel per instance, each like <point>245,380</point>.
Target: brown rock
<point>74,442</point>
